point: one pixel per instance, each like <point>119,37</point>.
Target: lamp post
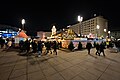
<point>79,27</point>
<point>23,23</point>
<point>98,27</point>
<point>68,26</point>
<point>19,30</point>
<point>108,34</point>
<point>105,33</point>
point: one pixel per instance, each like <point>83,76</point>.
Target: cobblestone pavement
<point>77,65</point>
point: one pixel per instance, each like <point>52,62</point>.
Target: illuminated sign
<point>7,34</point>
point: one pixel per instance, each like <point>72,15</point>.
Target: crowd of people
<point>103,45</point>
<point>99,48</point>
<point>36,46</point>
<point>30,46</point>
<point>6,43</point>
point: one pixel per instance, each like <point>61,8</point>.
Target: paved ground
<point>66,65</point>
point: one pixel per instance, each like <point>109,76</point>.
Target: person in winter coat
<point>39,48</point>
<point>102,47</point>
<point>21,45</point>
<point>27,46</point>
<point>9,44</point>
<point>48,47</point>
<point>97,46</point>
<point>89,46</point>
<point>34,46</point>
<point>71,46</point>
<point>55,46</point>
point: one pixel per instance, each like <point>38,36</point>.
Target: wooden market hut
<point>22,35</point>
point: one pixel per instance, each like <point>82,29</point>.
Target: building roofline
<point>2,26</point>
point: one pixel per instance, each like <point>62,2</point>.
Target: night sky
<point>41,16</point>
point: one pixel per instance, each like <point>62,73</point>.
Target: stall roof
<point>22,34</point>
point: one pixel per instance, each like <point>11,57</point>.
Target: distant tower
<point>53,30</point>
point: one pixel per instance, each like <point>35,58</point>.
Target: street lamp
<point>108,34</point>
<point>80,29</point>
<point>68,26</point>
<point>23,23</point>
<point>105,30</point>
<point>105,33</point>
<point>98,27</point>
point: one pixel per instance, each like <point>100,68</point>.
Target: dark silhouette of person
<point>13,42</point>
<point>89,46</point>
<point>48,47</point>
<point>27,45</point>
<point>71,46</point>
<point>102,47</point>
<point>59,45</point>
<point>34,46</point>
<point>97,46</point>
<point>7,40</point>
<point>2,42</point>
<point>55,46</point>
<point>39,48</point>
<point>21,46</point>
<point>79,46</point>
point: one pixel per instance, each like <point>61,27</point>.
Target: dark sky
<point>43,14</point>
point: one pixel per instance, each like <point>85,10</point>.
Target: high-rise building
<point>97,27</point>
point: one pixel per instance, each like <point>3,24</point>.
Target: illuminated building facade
<point>90,27</point>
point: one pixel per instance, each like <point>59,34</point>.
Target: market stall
<point>21,36</point>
